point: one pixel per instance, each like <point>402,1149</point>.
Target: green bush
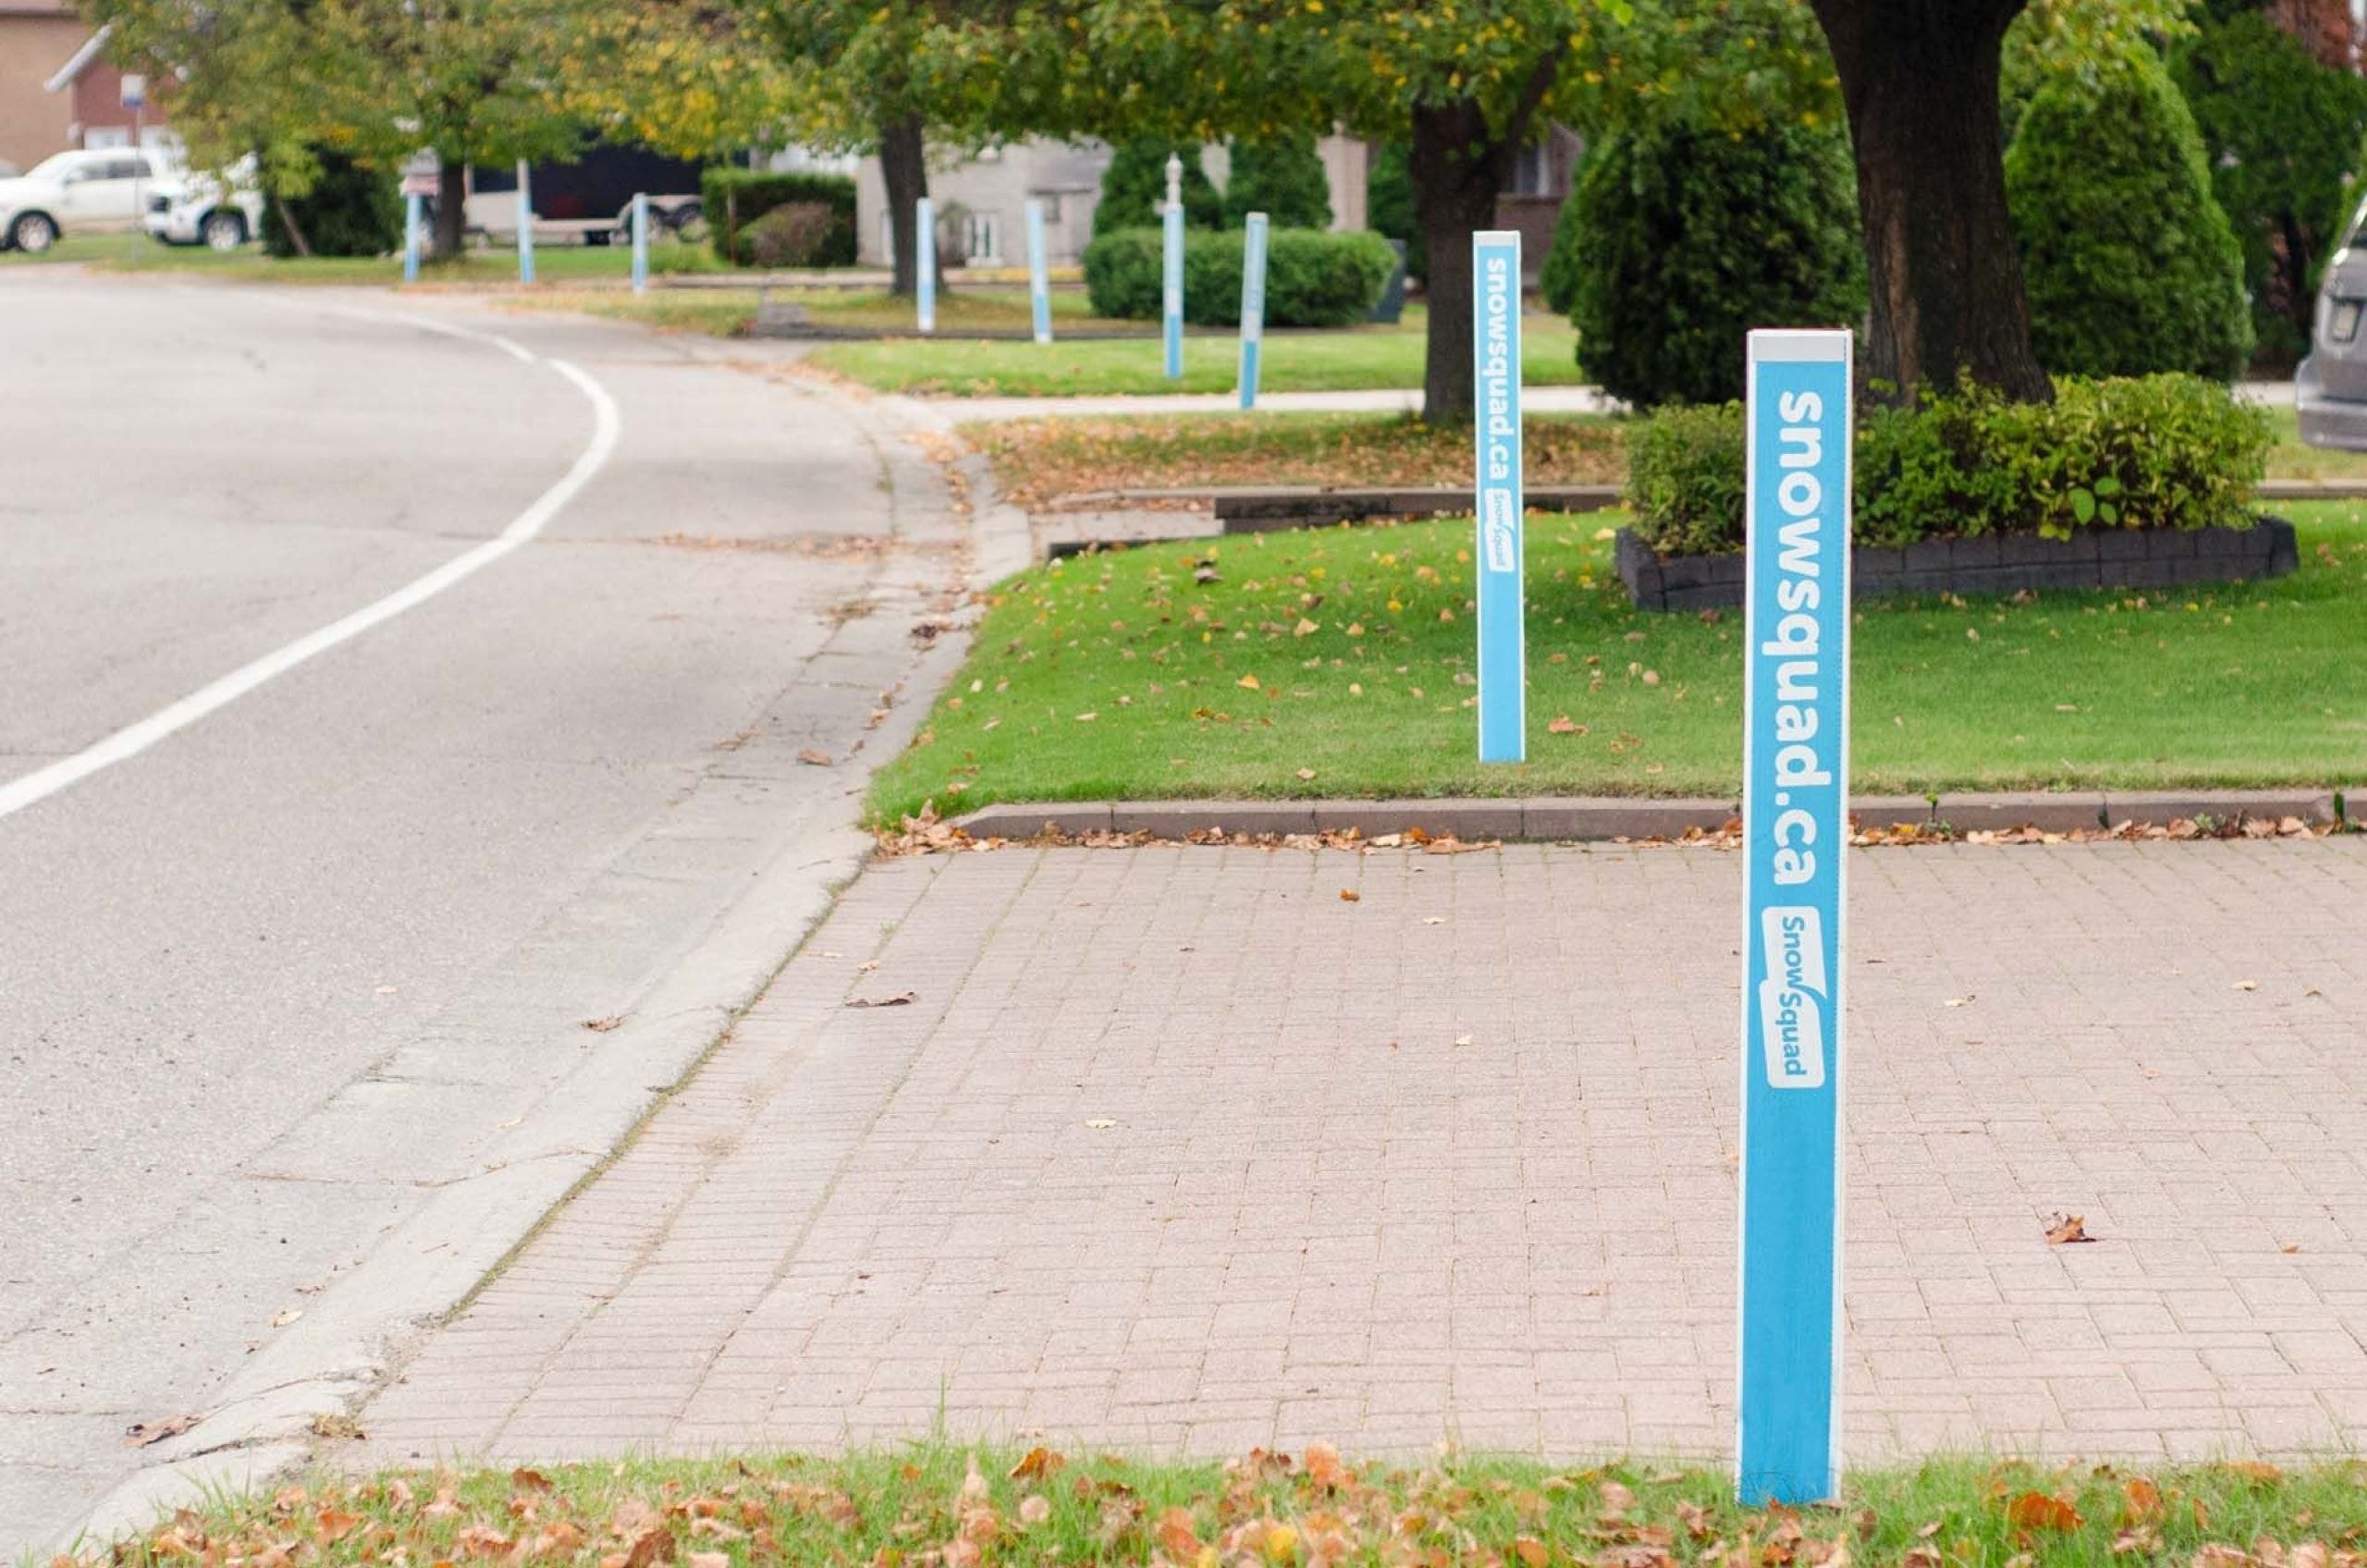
<point>351,211</point>
<point>1557,279</point>
<point>1312,278</point>
<point>1686,237</point>
<point>2127,260</point>
<point>1134,187</point>
<point>734,199</point>
<point>2156,451</point>
<point>2280,131</point>
<point>1389,205</point>
<point>1282,179</point>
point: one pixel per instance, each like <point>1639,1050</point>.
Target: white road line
<point>130,740</point>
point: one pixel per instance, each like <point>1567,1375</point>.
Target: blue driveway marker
<point>1495,335</point>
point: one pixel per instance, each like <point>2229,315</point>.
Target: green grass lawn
<point>1338,662</point>
<point>250,264</point>
<point>1294,361</point>
<point>938,1504</point>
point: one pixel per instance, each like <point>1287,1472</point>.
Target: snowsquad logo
<point>1792,998</point>
<point>1503,550</point>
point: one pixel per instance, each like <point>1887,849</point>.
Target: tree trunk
<point>451,208</point>
<point>1457,172</point>
<point>1919,78</point>
<point>905,169</point>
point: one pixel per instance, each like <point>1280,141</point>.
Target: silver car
<point>2330,387</point>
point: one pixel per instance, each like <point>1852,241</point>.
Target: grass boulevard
<point>1339,662</point>
<point>941,1505</point>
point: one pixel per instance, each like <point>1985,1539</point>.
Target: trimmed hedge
<point>1312,278</point>
<point>1680,238</point>
<point>351,211</point>
<point>2156,451</point>
<point>1282,179</point>
<point>732,200</point>
<point>2129,265</point>
<point>1135,187</point>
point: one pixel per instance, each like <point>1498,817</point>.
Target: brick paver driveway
<point>1177,1148</point>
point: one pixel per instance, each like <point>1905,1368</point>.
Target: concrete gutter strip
<point>1551,819</point>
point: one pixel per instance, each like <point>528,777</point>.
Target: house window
<point>1533,172</point>
<point>986,237</point>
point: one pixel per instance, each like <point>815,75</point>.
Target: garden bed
<point>1992,563</point>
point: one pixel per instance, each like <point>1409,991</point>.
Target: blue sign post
<point>640,241</point>
<point>1172,269</point>
<point>1253,305</point>
<point>1039,281</point>
<point>410,238</point>
<point>525,224</point>
<point>1796,839</point>
<point>1495,334</point>
<point>924,260</point>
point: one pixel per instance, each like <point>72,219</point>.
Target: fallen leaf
<point>1565,726</point>
<point>2068,1230</point>
<point>1350,896</point>
<point>708,1560</point>
<point>814,757</point>
<point>1037,1464</point>
<point>1305,773</point>
<point>1957,1002</point>
<point>2036,1511</point>
<point>1034,1509</point>
<point>1463,1039</point>
<point>281,1320</point>
<point>1101,1123</point>
<point>1306,628</point>
<point>1248,683</point>
<point>652,1546</point>
<point>2256,1471</point>
<point>1087,718</point>
<point>530,1480</point>
<point>2247,985</point>
<point>140,1434</point>
<point>2141,1502</point>
<point>602,1025</point>
<point>902,999</point>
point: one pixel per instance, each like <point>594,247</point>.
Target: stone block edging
<point>1598,817</point>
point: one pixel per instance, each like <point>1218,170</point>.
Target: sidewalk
<point>1178,1148</point>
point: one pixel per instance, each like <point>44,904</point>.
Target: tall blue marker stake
<point>640,241</point>
<point>1171,271</point>
<point>1039,282</point>
<point>1253,305</point>
<point>525,224</point>
<point>410,238</point>
<point>1495,333</point>
<point>1796,837</point>
<point>924,260</point>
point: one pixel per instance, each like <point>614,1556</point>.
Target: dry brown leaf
<point>2037,1510</point>
<point>1177,1535</point>
<point>1565,724</point>
<point>1034,1509</point>
<point>813,757</point>
<point>1037,1464</point>
<point>902,999</point>
<point>653,1546</point>
<point>602,1026</point>
<point>2068,1230</point>
<point>140,1434</point>
<point>1350,896</point>
<point>2258,1472</point>
<point>2140,1501</point>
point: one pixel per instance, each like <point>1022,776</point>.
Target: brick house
<point>57,88</point>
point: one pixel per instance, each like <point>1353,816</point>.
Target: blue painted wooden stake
<point>1039,282</point>
<point>1172,269</point>
<point>924,260</point>
<point>1495,333</point>
<point>1796,837</point>
<point>1253,305</point>
<point>525,224</point>
<point>410,238</point>
<point>640,241</point>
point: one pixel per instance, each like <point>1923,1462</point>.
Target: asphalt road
<point>270,980</point>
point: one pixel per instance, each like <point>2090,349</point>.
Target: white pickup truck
<point>220,212</point>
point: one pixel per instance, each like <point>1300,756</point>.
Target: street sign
<point>1039,281</point>
<point>1495,333</point>
<point>1253,305</point>
<point>135,90</point>
<point>1796,837</point>
<point>924,260</point>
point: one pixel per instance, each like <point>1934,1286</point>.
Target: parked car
<point>2330,387</point>
<point>589,199</point>
<point>203,210</point>
<point>89,190</point>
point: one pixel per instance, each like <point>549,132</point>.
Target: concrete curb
<point>260,1422</point>
<point>1552,818</point>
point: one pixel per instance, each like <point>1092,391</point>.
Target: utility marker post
<point>925,261</point>
<point>525,224</point>
<point>640,241</point>
<point>410,237</point>
<point>1495,335</point>
<point>1253,305</point>
<point>1796,839</point>
<point>1171,270</point>
<point>1039,282</point>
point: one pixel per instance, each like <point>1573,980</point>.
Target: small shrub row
<point>2156,451</point>
<point>1312,278</point>
<point>735,199</point>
